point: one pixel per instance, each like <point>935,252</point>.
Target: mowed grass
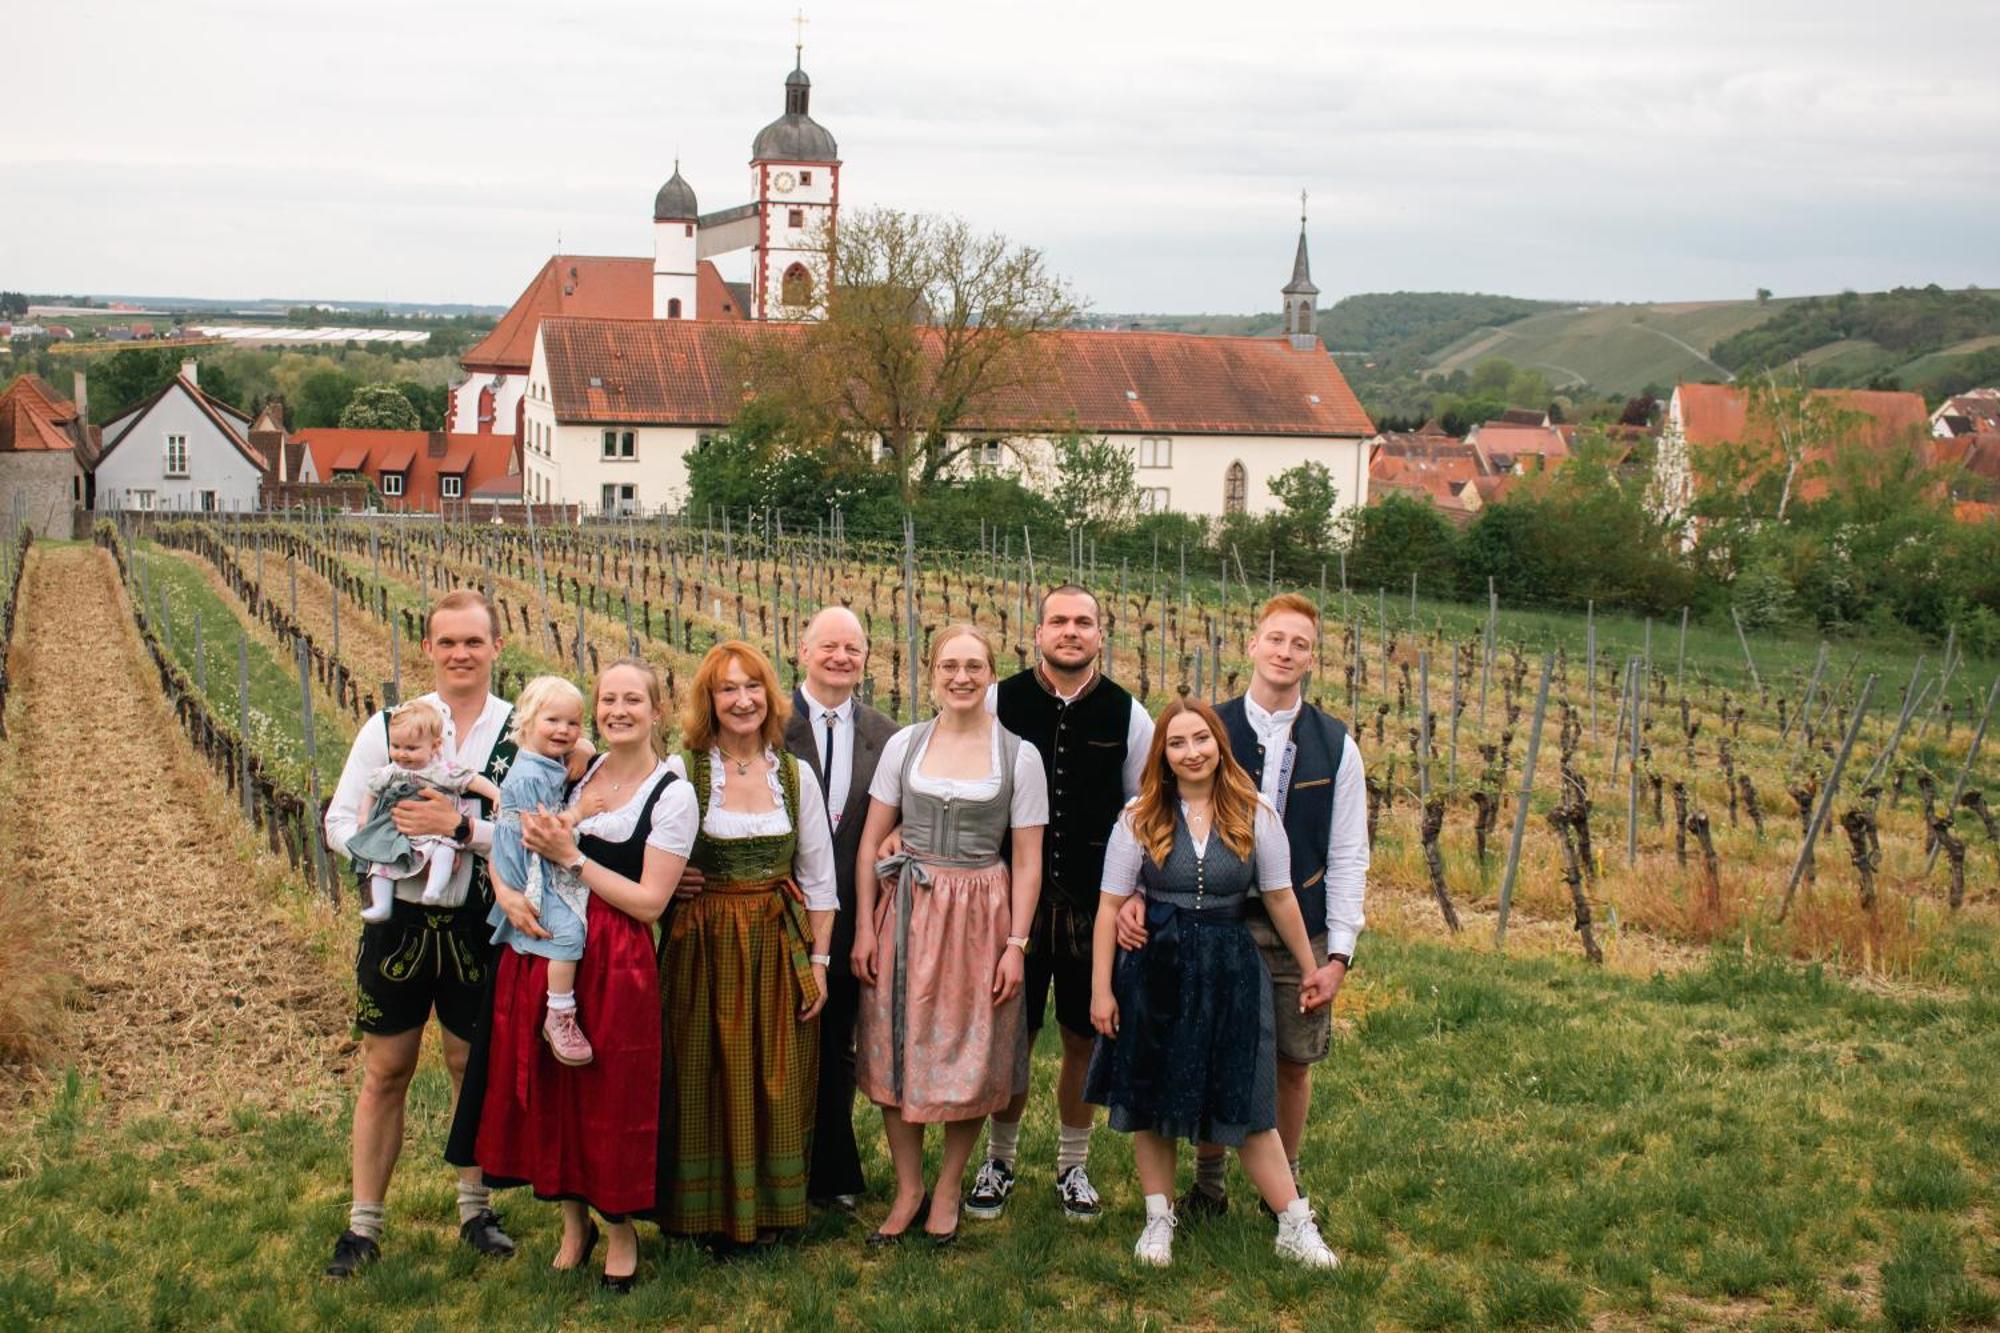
<point>1498,1143</point>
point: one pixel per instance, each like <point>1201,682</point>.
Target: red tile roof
<point>1506,440</point>
<point>421,456</point>
<point>1713,414</point>
<point>678,372</point>
<point>588,287</point>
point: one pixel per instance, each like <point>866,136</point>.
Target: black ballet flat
<point>944,1240</point>
<point>879,1239</point>
<point>590,1238</point>
<point>621,1285</point>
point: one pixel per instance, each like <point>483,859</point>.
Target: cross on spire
<point>1302,210</point>
<point>799,21</point>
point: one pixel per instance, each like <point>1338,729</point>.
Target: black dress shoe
<point>350,1253</point>
<point>482,1232</point>
<point>880,1239</point>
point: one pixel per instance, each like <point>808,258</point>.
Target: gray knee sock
<point>365,1219</point>
<point>472,1200</point>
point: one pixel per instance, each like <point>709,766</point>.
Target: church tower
<point>795,176</point>
<point>674,249</point>
<point>1301,297</point>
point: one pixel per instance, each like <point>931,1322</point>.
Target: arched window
<point>673,307</point>
<point>1235,489</point>
<point>798,286</point>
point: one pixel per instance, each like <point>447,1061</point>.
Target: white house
<point>179,449</point>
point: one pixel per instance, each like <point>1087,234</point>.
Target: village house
<point>1516,446</point>
<point>414,471</point>
<point>179,449</point>
<point>1431,466</point>
<point>1974,412</point>
<point>1701,417</point>
<point>47,447</point>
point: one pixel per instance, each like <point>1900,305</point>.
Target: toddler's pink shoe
<point>566,1039</point>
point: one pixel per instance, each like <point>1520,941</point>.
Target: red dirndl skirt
<point>591,1133</point>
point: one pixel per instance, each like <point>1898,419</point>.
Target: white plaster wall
<point>465,404</point>
<point>785,244</point>
<point>139,461</point>
<point>674,245</point>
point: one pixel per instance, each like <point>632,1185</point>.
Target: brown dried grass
<point>201,985</point>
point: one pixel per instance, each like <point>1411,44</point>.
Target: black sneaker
<point>1199,1205</point>
<point>350,1252</point>
<point>990,1189</point>
<point>1079,1200</point>
<point>482,1232</point>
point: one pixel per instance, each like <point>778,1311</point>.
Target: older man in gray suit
<point>840,738</point>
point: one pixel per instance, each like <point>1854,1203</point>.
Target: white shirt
<point>1347,837</point>
<point>1123,855</point>
<point>1138,730</point>
<point>838,766</point>
<point>812,863</point>
<point>1029,807</point>
<point>371,751</point>
<point>676,815</point>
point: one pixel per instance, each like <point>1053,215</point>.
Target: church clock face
<point>783,182</point>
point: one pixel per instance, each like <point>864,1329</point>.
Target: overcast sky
<point>433,150</point>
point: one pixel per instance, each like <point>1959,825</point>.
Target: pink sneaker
<point>566,1039</point>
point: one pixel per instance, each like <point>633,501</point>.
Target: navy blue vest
<point>1308,802</point>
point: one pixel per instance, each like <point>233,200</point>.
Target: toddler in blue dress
<point>548,719</point>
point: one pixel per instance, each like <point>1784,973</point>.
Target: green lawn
<point>1520,1143</point>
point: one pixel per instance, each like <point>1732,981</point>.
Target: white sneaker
<point>1299,1238</point>
<point>1156,1242</point>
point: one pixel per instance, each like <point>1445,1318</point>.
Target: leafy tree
<point>1763,296</point>
<point>320,397</point>
<point>930,322</point>
<point>1303,524</point>
<point>379,407</point>
<point>1095,482</point>
<point>429,400</point>
<point>13,304</point>
<point>125,378</point>
<point>1401,535</point>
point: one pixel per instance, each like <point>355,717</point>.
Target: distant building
<point>179,449</point>
<point>1701,417</point>
<point>1509,447</point>
<point>795,200</point>
<point>47,446</point>
<point>414,471</point>
<point>1975,412</point>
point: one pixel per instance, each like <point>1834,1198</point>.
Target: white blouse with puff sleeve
<point>1123,855</point>
<point>1030,805</point>
<point>812,864</point>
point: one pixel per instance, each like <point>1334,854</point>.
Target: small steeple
<point>1300,295</point>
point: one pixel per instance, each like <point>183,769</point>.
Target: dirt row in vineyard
<point>197,987</point>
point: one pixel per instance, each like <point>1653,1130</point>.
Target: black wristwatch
<point>1343,959</point>
<point>463,833</point>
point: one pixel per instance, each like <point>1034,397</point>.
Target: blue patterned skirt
<point>1196,1051</point>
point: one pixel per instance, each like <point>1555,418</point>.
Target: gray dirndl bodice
<point>957,831</point>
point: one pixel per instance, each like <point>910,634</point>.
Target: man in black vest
<point>1093,738</point>
<point>1305,763</point>
<point>840,738</point>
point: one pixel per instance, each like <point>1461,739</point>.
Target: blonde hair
<point>656,695</point>
<point>698,722</point>
<point>950,632</point>
<point>536,696</point>
<point>417,713</point>
<point>1232,803</point>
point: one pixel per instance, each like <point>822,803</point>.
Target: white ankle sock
<point>1072,1148</point>
<point>1159,1205</point>
<point>1003,1141</point>
<point>365,1219</point>
<point>560,1000</point>
<point>1299,1210</point>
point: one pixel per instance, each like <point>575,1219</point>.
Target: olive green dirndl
<point>741,1071</point>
